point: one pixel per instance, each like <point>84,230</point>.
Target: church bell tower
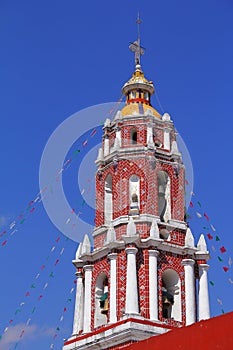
<point>145,275</point>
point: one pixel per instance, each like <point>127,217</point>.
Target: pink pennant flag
<point>206,216</point>
<point>222,249</point>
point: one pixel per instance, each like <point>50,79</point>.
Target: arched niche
<point>101,300</point>
<point>108,207</point>
<point>134,193</point>
<point>164,196</point>
<point>133,136</point>
<point>171,295</point>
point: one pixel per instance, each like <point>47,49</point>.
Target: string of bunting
<point>11,229</point>
<point>33,287</point>
<point>213,239</point>
<point>41,293</point>
<point>65,309</point>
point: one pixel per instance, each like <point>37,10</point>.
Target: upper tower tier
<point>138,90</point>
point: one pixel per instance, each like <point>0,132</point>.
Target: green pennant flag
<point>205,228</point>
<point>217,238</point>
<point>16,345</point>
<point>223,312</point>
<point>69,300</point>
<point>220,259</point>
<point>17,311</point>
<point>77,151</point>
<point>57,329</point>
<point>33,286</point>
<point>47,258</point>
<point>33,310</point>
<point>211,283</point>
<point>51,275</point>
<point>199,204</point>
<point>67,239</point>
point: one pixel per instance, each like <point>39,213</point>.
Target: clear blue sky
<point>58,57</point>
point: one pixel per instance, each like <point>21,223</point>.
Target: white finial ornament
<point>201,245</point>
<point>79,251</point>
<point>131,228</point>
<point>154,230</point>
<point>189,239</point>
<point>111,234</point>
<point>86,246</point>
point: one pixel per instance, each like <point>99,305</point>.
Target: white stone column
<point>203,295</point>
<point>118,136</point>
<point>106,146</point>
<point>189,291</point>
<point>113,287</point>
<point>150,141</point>
<point>153,284</point>
<point>131,304</point>
<point>87,298</point>
<point>78,312</point>
<point>167,142</point>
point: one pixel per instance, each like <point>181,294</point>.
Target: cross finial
<point>136,45</point>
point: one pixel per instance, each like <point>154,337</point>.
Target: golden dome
<point>139,108</point>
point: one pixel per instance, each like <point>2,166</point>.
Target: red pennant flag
<point>206,216</point>
<point>75,281</point>
<point>57,261</point>
<point>186,182</point>
<point>3,233</point>
<point>42,267</point>
<point>27,294</point>
<point>21,334</point>
<point>4,243</point>
<point>209,236</point>
<point>58,239</point>
<point>222,249</point>
<point>32,210</point>
<point>93,132</point>
<point>191,204</point>
<point>65,309</point>
<point>225,268</point>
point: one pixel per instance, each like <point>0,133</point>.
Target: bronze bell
<point>166,303</point>
<point>105,308</point>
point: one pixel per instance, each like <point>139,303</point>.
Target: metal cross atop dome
<point>135,46</point>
